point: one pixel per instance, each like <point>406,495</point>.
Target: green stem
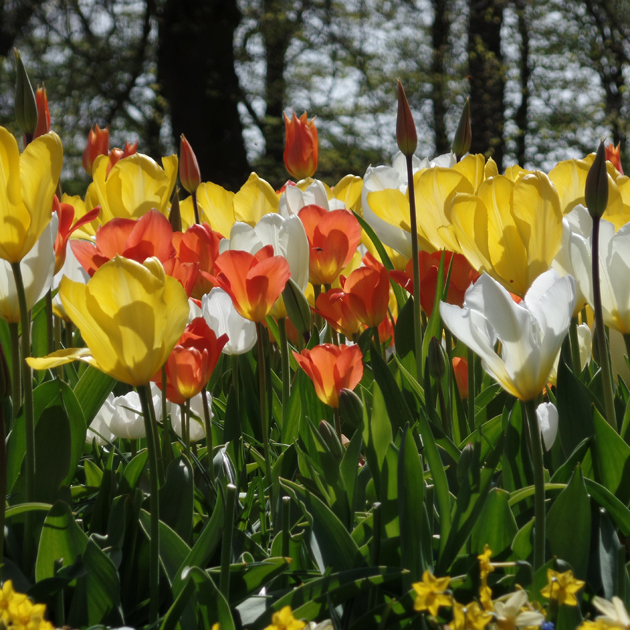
<point>337,422</point>
<point>575,347</point>
<point>226,543</point>
<point>49,323</point>
<point>286,369</point>
<point>208,424</point>
<point>16,381</point>
<point>3,482</point>
<point>69,333</point>
<point>160,463</point>
<point>195,206</point>
<point>144,392</point>
<point>29,418</point>
<point>234,361</point>
<point>286,534</point>
<point>415,256</point>
<point>262,382</point>
<point>470,358</point>
<point>167,453</point>
<point>539,483</point>
<point>601,335</point>
<point>185,435</point>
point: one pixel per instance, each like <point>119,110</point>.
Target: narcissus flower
<point>431,593</point>
<point>368,291</point>
<point>614,612</point>
<point>27,186</point>
<point>300,146</point>
<point>514,613</point>
<point>530,333</point>
<point>284,620</point>
<point>332,368</point>
<point>253,282</point>
<point>192,361</point>
<point>469,617</point>
<point>130,315</point>
<point>333,237</point>
<point>562,587</point>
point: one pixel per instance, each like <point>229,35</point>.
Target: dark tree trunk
<point>14,18</point>
<point>522,111</point>
<point>196,70</point>
<point>487,78</point>
<point>439,34</point>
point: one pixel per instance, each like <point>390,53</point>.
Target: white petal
<point>548,423</point>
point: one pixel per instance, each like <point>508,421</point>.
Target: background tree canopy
<point>547,78</point>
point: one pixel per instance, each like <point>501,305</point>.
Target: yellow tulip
<point>130,316</point>
<point>134,186</point>
<point>27,185</point>
<point>510,230</point>
<point>348,190</point>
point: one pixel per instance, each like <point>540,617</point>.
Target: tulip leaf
<point>78,429</point>
<point>61,537</point>
<point>434,327</point>
<point>569,525</point>
<point>495,527</point>
<point>92,390</point>
<point>523,543</point>
<point>291,420</point>
<point>39,340</point>
<point>617,510</point>
<point>563,474</point>
<point>515,461</point>
<point>611,459</point>
<point>5,342</point>
<point>176,498</point>
<point>212,607</point>
<point>132,473</point>
<point>611,558</point>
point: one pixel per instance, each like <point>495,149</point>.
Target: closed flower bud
<point>298,308</point>
<point>329,436</point>
<point>350,408</point>
<point>189,174</point>
<point>25,103</point>
<point>437,364</point>
<point>596,188</point>
<point>406,135</point>
<point>97,144</point>
<point>463,135</point>
<point>175,216</point>
<point>463,463</point>
<point>43,115</point>
<point>301,148</point>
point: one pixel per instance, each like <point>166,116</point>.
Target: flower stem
<point>262,382</point>
<point>415,256</point>
<point>208,424</point>
<point>16,387</point>
<point>226,543</point>
<point>539,483</point>
<point>49,323</point>
<point>286,370</point>
<point>601,335</point>
<point>3,481</point>
<point>575,346</point>
<point>154,568</point>
<point>470,357</point>
<point>193,194</point>
<point>185,408</point>
<point>234,360</point>
<point>167,453</point>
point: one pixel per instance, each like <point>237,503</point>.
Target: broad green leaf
<point>496,526</point>
<point>617,510</point>
<point>91,391</point>
<point>523,543</point>
<point>176,498</point>
<point>211,605</point>
<point>78,429</point>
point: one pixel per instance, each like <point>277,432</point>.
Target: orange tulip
<point>253,282</point>
<point>97,144</point>
<point>462,276</point>
<point>43,115</point>
<point>460,369</point>
<point>613,155</point>
<point>118,154</point>
<point>192,361</point>
<point>368,291</point>
<point>333,237</point>
<point>189,174</point>
<point>332,368</point>
<point>300,146</point>
<point>386,331</point>
<point>334,307</point>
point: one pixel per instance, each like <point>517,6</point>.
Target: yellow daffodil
<point>485,566</point>
<point>222,208</point>
<point>27,185</point>
<point>512,612</point>
<point>562,587</point>
<point>510,230</point>
<point>7,595</point>
<point>130,316</point>
<point>614,613</point>
<point>284,620</point>
<point>135,185</point>
<point>431,593</point>
<point>598,624</point>
<point>470,617</point>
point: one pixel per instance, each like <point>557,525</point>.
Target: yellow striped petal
<point>255,199</point>
<point>472,167</point>
<point>216,207</point>
<point>348,190</point>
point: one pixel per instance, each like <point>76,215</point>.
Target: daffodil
<point>431,593</point>
<point>530,333</point>
<point>511,613</point>
<point>469,617</point>
<point>27,186</point>
<point>562,587</point>
<point>614,613</point>
<point>284,620</point>
<point>130,315</point>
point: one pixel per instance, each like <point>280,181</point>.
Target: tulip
<point>301,147</point>
<point>29,182</point>
<point>196,429</point>
<point>293,198</point>
<point>334,307</point>
<point>99,427</point>
<point>406,135</point>
<point>189,174</point>
<point>531,332</point>
<point>460,370</point>
<point>130,315</point>
<point>463,135</point>
<point>192,361</point>
<point>613,155</point>
<point>219,312</point>
<point>43,115</point>
<point>115,155</point>
<point>368,291</point>
<point>332,368</point>
<point>253,282</point>
<point>126,419</point>
<point>548,422</point>
<point>97,144</point>
<point>333,238</point>
<point>71,269</point>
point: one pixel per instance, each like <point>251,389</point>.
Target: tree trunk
<point>439,34</point>
<point>487,78</point>
<point>196,69</point>
<point>522,111</point>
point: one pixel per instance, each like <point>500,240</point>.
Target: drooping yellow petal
<point>536,211</point>
<point>619,213</point>
<point>515,172</point>
<point>61,357</point>
<point>348,190</point>
<point>472,167</point>
<point>507,252</point>
<point>255,199</point>
<point>216,207</point>
<point>490,169</point>
<point>569,178</point>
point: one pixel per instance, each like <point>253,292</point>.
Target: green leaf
<point>176,498</point>
<point>132,473</point>
<point>569,525</point>
<point>515,461</point>
<point>496,526</point>
<point>211,605</point>
<point>61,537</point>
<point>92,390</point>
<point>78,429</point>
<point>16,510</point>
<point>523,544</point>
<point>563,474</point>
<point>617,510</point>
<point>434,327</point>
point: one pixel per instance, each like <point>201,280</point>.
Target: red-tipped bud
<point>596,188</point>
<point>43,115</point>
<point>97,144</point>
<point>613,155</point>
<point>463,135</point>
<point>189,174</point>
<point>406,135</point>
<point>301,146</point>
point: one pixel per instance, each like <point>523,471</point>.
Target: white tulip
<point>99,427</point>
<point>531,333</point>
<point>293,199</point>
<point>126,420</point>
<point>197,424</point>
<point>547,415</point>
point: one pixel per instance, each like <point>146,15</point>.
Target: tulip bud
<point>43,115</point>
<point>437,365</point>
<point>464,462</point>
<point>97,144</point>
<point>463,135</point>
<point>25,103</point>
<point>350,408</point>
<point>189,174</point>
<point>596,188</point>
<point>406,135</point>
<point>175,216</point>
<point>613,155</point>
<point>460,370</point>
<point>329,436</point>
<point>301,148</point>
<point>298,308</point>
